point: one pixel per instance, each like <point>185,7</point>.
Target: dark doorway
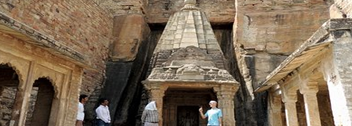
<point>187,116</point>
<point>42,99</point>
<point>8,89</point>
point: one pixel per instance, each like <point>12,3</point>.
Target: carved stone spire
<point>190,2</point>
<point>188,50</point>
<point>190,5</point>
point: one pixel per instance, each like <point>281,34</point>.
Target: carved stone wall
<point>7,100</point>
<point>158,11</point>
<point>265,33</point>
<point>79,25</point>
<point>31,63</point>
<point>32,102</point>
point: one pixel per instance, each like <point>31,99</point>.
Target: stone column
<point>156,94</point>
<point>337,69</point>
<point>290,99</point>
<point>17,108</point>
<point>226,103</point>
<point>311,104</point>
<point>274,109</point>
<point>22,98</point>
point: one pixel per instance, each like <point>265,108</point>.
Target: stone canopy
<point>190,64</point>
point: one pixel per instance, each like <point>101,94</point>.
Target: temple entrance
<point>187,116</point>
<point>181,106</point>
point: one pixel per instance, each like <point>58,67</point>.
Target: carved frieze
<point>188,55</point>
<point>190,72</point>
<point>190,63</point>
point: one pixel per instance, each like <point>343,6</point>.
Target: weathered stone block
<point>130,31</point>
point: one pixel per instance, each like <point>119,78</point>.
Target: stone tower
<point>188,61</point>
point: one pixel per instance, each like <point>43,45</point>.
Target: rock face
<point>126,44</point>
<point>262,36</point>
<point>117,38</point>
<point>126,69</point>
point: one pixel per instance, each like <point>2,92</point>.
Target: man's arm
<point>201,113</point>
<point>220,123</point>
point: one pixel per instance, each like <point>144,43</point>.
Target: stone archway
<point>9,83</point>
<point>224,94</point>
<point>41,101</point>
<point>181,105</point>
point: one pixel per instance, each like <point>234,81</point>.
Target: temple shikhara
<point>189,70</point>
<point>265,62</point>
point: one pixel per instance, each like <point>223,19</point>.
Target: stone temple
<point>266,62</point>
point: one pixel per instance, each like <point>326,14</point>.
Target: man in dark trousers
<point>80,113</point>
<point>103,113</point>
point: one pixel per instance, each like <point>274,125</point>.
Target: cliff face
<point>254,35</point>
<point>117,37</point>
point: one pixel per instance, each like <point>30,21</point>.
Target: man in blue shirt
<point>214,114</point>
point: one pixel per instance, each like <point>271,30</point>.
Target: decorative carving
<point>190,2</point>
<point>40,39</point>
<point>190,5</point>
<point>190,72</point>
<point>192,54</point>
<point>190,69</point>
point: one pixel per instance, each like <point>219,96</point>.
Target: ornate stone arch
<point>54,80</point>
<point>18,72</point>
<point>21,66</point>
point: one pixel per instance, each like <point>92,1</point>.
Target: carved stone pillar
<point>274,109</point>
<point>22,99</point>
<point>225,97</point>
<point>336,72</point>
<point>156,94</point>
<point>311,104</point>
<point>290,99</point>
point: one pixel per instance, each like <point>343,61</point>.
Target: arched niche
<point>9,88</point>
<point>41,102</point>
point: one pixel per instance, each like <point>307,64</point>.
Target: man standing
<point>80,113</point>
<point>214,114</point>
<point>103,113</point>
<point>150,116</point>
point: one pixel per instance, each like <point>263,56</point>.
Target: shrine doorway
<point>181,106</point>
<point>187,116</point>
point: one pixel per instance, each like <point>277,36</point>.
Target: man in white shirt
<point>80,113</point>
<point>103,113</point>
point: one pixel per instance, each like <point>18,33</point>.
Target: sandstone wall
<point>218,11</point>
<point>345,6</point>
<point>158,11</point>
<point>78,24</point>
<point>269,31</point>
<point>266,32</point>
<point>122,7</point>
<point>7,98</point>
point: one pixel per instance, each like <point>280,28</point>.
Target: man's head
<point>212,104</point>
<point>83,98</point>
<point>103,101</point>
